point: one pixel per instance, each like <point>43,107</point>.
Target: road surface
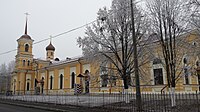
<point>13,108</point>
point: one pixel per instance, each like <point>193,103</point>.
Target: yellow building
<point>52,76</point>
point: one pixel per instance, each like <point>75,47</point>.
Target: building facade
<point>77,75</point>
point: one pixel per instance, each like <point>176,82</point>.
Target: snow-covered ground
<point>78,100</point>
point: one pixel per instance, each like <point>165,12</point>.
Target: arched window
<point>72,80</point>
<point>185,61</point>
<point>86,71</point>
<point>51,82</point>
<point>61,81</point>
<point>87,77</point>
<point>26,47</point>
<point>28,86</point>
<point>28,63</point>
<point>197,63</point>
<point>23,62</point>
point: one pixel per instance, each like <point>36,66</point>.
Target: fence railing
<point>151,102</point>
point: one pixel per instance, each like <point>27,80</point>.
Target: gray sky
<point>47,17</point>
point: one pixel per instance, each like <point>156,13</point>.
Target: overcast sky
<point>47,17</point>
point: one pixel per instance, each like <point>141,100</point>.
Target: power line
<point>53,36</point>
<point>66,31</point>
<point>7,52</point>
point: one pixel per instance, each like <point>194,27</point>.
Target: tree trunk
<point>172,93</point>
<point>173,97</point>
<point>126,90</point>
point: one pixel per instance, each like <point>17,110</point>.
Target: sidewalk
<point>50,107</point>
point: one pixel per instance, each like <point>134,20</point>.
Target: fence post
<point>163,95</point>
<point>103,98</point>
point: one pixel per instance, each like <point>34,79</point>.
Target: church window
<point>23,62</point>
<point>35,83</point>
<point>104,80</point>
<point>61,81</point>
<point>158,76</point>
<point>186,73</point>
<point>199,80</point>
<point>197,63</point>
<point>185,61</point>
<point>51,82</point>
<point>72,80</point>
<point>28,86</point>
<point>51,53</point>
<point>26,47</point>
<point>104,76</point>
<point>186,70</point>
<point>28,63</point>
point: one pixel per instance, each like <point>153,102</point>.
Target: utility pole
<point>137,80</point>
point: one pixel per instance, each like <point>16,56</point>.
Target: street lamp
<point>137,80</point>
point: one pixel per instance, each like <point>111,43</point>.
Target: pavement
<point>14,108</point>
<point>49,107</point>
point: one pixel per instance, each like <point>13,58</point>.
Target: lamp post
<point>137,80</point>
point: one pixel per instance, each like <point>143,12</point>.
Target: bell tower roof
<point>26,36</point>
<point>50,47</point>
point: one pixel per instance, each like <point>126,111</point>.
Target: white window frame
<point>61,72</point>
<point>51,74</point>
<point>158,66</point>
<point>72,69</point>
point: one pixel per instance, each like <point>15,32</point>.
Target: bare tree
<point>3,75</point>
<point>110,39</point>
<point>194,5</point>
<point>168,18</point>
<point>10,69</point>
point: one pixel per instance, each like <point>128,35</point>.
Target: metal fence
<point>117,102</point>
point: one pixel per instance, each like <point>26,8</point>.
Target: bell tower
<point>50,51</point>
<point>24,57</point>
<point>23,76</point>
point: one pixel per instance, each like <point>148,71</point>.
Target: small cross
<point>51,37</point>
<point>26,14</point>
